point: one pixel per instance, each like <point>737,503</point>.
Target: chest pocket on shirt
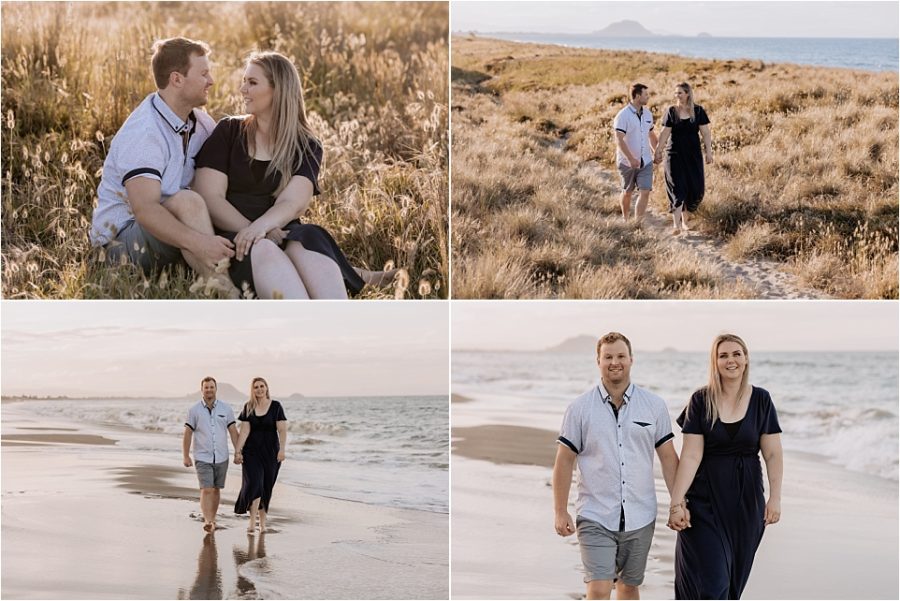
<point>642,429</point>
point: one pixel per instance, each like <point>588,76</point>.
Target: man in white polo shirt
<point>612,431</point>
<point>145,211</point>
<point>209,424</point>
<point>635,146</point>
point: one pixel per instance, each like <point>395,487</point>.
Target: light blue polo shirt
<point>637,133</point>
<point>210,428</point>
<point>615,454</point>
<point>149,144</point>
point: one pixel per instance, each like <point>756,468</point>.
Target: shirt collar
<point>172,120</point>
<point>606,396</point>
<point>203,404</point>
<point>635,111</point>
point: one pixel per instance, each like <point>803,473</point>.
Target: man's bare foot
<point>378,278</point>
<point>209,526</point>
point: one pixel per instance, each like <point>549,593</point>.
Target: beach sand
<point>86,519</point>
<point>837,538</point>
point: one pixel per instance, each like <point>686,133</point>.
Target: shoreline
<point>101,517</point>
<point>499,504</point>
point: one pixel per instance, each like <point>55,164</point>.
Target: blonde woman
<point>685,180</point>
<point>718,505</point>
<point>257,173</point>
<point>260,451</point>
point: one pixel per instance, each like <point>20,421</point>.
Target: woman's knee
<point>265,250</point>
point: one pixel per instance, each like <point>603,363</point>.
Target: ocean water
<point>391,451</point>
<point>842,406</point>
<point>867,54</point>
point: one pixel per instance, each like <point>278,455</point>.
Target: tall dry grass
<point>375,79</point>
<point>806,169</point>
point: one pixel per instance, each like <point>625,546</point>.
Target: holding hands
<point>679,517</point>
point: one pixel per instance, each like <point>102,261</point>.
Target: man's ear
<point>176,78</point>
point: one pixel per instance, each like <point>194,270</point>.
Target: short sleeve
<point>668,119</point>
<point>663,425</point>
<point>650,115</point>
<point>216,150</point>
<point>620,122</point>
<point>769,418</point>
<point>279,413</point>
<point>700,116</point>
<point>243,416</point>
<point>693,416</point>
<point>570,433</point>
<point>310,165</point>
<point>191,421</point>
<point>143,155</point>
<point>229,414</point>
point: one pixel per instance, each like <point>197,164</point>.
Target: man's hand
<point>212,249</point>
<point>187,461</point>
<point>634,163</point>
<point>679,519</point>
<point>277,235</point>
<point>564,525</point>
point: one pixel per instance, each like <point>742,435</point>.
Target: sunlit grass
<point>375,77</point>
<point>806,171</point>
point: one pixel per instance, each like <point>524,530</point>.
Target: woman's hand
<point>773,511</point>
<point>277,235</point>
<point>658,157</point>
<point>679,518</point>
<point>246,238</point>
<point>280,457</point>
<point>709,158</point>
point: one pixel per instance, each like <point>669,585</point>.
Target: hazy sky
<point>683,325</point>
<point>725,19</point>
<point>165,348</point>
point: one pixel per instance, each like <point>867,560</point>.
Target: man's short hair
<point>637,89</point>
<point>208,379</point>
<point>611,338</point>
<point>174,54</point>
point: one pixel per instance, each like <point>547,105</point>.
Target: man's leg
<point>599,589</point>
<point>209,504</point>
<point>627,591</point>
<point>640,209</point>
<point>190,209</point>
<point>626,204</point>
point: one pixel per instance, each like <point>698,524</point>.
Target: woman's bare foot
<point>209,526</point>
<point>378,278</point>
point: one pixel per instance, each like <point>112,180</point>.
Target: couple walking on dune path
<point>639,148</point>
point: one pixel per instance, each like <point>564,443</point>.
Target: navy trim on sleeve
<point>189,426</point>
<point>231,423</point>
<point>140,171</point>
<point>564,441</point>
<point>621,130</point>
<point>664,440</point>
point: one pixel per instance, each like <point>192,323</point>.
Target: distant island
<point>619,29</point>
<point>624,29</point>
<point>226,392</point>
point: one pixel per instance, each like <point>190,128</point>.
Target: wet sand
<point>86,519</point>
<point>834,523</point>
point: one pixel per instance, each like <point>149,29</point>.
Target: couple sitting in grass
<point>638,148</point>
<point>224,198</point>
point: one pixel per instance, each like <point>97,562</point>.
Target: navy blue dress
<point>714,556</point>
<point>260,466</point>
<point>685,181</point>
<point>253,193</point>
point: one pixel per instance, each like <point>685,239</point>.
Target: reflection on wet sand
<point>256,549</point>
<point>208,584</point>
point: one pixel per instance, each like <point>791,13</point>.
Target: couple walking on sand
<point>258,447</point>
<point>638,148</point>
<point>236,220</point>
<point>716,489</point>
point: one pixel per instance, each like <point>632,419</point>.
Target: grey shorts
<point>609,555</point>
<point>640,178</point>
<point>211,475</point>
<point>142,249</point>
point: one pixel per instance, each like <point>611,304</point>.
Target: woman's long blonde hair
<point>290,134</point>
<point>713,391</point>
<point>686,88</point>
<point>250,407</point>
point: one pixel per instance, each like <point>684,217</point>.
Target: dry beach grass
<point>805,176</point>
<point>375,82</point>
